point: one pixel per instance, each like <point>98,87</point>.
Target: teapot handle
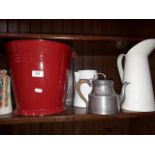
<point>78,88</point>
<point>119,66</point>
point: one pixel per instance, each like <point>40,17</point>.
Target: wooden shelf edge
<point>74,114</point>
<point>73,37</point>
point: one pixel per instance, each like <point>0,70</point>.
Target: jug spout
<point>144,48</point>
<point>122,95</point>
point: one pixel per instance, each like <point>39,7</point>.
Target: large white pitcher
<point>139,93</point>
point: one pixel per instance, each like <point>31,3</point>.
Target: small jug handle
<point>78,88</point>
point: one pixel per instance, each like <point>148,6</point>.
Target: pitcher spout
<point>144,48</point>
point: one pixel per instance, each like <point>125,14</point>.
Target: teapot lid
<point>103,80</point>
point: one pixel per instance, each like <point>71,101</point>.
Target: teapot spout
<point>122,95</point>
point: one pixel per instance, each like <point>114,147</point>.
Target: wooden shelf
<point>84,44</point>
<point>72,114</point>
<point>72,37</point>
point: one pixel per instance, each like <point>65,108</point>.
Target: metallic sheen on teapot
<point>103,99</point>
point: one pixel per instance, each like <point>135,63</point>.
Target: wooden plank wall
<point>106,27</point>
<point>98,55</point>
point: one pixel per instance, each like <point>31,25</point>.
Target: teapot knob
<point>103,75</point>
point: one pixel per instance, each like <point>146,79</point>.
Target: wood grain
<point>61,36</point>
<point>3,26</point>
<point>35,26</point>
<point>73,114</point>
<point>13,26</point>
<point>24,26</point>
<point>46,26</point>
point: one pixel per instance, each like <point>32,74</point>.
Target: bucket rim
<point>37,40</point>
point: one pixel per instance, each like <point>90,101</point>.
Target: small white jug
<point>85,89</point>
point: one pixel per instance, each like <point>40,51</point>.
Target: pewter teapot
<point>103,99</point>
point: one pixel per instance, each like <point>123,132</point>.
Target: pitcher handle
<point>78,88</point>
<point>119,66</point>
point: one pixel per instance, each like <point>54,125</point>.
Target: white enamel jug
<point>85,88</point>
<point>139,93</point>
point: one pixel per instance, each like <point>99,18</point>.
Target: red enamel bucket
<point>39,70</point>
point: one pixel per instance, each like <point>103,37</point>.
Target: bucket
<point>39,70</point>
